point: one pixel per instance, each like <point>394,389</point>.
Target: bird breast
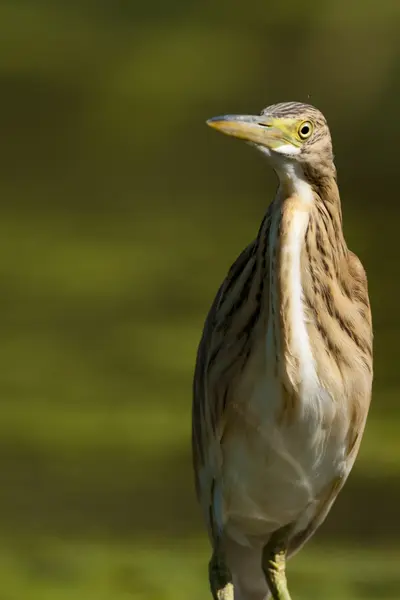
<point>285,439</point>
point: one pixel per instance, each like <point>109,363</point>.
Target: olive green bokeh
<point>121,212</point>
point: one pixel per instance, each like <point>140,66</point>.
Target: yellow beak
<point>256,129</point>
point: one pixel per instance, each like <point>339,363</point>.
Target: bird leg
<point>220,576</point>
<point>274,563</point>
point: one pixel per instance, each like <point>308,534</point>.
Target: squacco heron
<point>283,377</point>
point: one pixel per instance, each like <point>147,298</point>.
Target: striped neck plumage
<point>302,208</point>
<point>317,191</point>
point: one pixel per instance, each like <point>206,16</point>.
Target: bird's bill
<point>260,130</point>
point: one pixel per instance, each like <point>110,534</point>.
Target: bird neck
<point>306,237</point>
<point>316,191</point>
<point>297,179</point>
<point>293,182</point>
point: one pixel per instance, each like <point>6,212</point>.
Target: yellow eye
<point>305,130</point>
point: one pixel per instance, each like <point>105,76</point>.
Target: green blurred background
<point>121,212</point>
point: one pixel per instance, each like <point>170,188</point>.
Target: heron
<point>284,367</point>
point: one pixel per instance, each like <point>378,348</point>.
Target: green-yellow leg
<point>220,577</point>
<point>274,564</point>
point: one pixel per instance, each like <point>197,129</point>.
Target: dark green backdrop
<point>120,213</point>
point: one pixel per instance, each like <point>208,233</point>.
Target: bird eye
<point>305,130</point>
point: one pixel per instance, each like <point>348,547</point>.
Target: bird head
<point>287,133</point>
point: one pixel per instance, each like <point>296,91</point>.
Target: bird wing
<point>210,388</point>
<point>360,288</point>
<point>360,401</point>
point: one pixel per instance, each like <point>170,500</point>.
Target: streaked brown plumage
<point>284,369</point>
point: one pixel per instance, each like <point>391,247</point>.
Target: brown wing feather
<point>200,386</point>
<point>358,284</point>
<point>209,400</point>
<point>360,289</point>
<point>361,400</point>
